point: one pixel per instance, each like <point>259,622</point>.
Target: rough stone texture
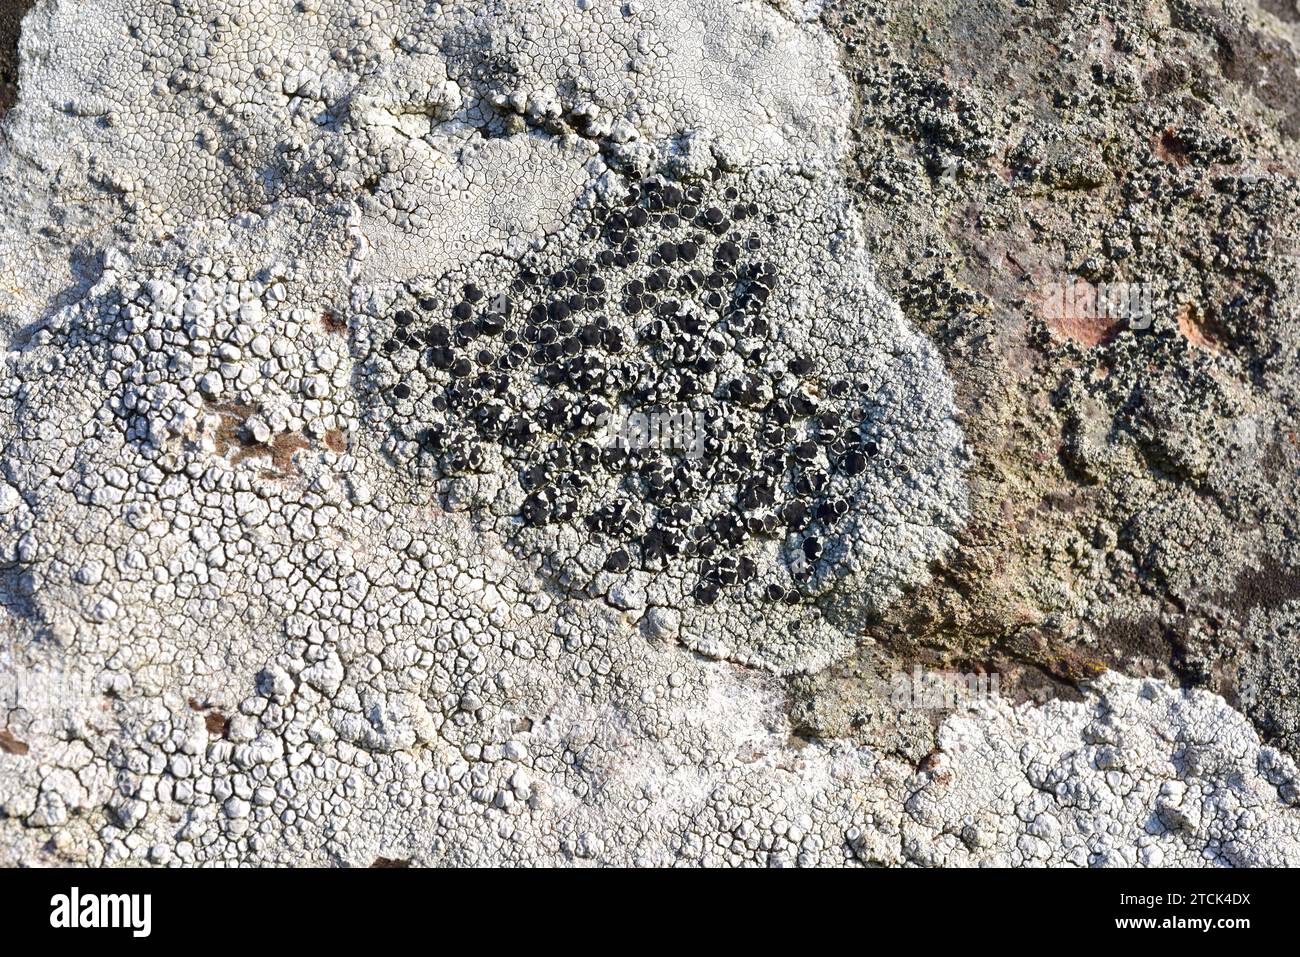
<point>1134,491</point>
<point>310,548</point>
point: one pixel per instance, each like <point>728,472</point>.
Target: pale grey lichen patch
<point>466,139</point>
<point>431,115</point>
<point>1184,769</point>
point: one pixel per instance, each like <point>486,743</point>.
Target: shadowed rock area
<point>11,15</point>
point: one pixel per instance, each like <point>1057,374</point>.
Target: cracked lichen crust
<point>487,148</point>
<point>308,476</point>
<point>278,580</point>
<point>459,128</point>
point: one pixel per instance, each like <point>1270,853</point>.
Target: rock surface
<point>522,432</point>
